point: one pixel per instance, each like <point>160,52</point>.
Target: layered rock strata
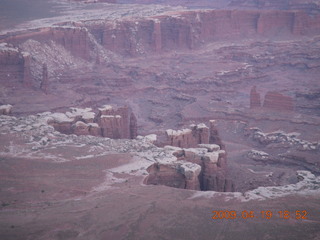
<point>87,40</point>
<point>171,30</point>
<point>189,137</point>
<point>194,146</point>
<point>192,28</point>
<point>202,168</point>
<point>273,101</point>
<point>179,175</point>
<point>74,39</point>
<point>109,122</point>
<point>278,101</point>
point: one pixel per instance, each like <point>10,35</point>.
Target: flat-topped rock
<point>210,147</point>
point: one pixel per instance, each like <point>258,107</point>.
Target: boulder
<point>5,109</point>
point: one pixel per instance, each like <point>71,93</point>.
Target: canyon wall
<point>172,30</point>
<point>138,36</point>
<point>74,39</point>
<point>11,65</point>
<point>190,29</point>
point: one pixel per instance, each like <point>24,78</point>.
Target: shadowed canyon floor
<point>252,66</point>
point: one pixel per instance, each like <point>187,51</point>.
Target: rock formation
<point>123,120</point>
<point>27,78</point>
<point>272,101</point>
<point>277,101</point>
<point>74,39</point>
<point>194,135</point>
<point>11,65</point>
<point>154,34</point>
<point>108,122</point>
<point>191,137</point>
<point>202,168</point>
<point>192,146</point>
<point>255,101</point>
<point>178,175</point>
<point>44,81</point>
<point>214,135</point>
<point>192,28</point>
<point>281,139</point>
<point>5,109</point>
<point>133,126</point>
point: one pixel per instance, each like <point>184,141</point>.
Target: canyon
<point>135,119</point>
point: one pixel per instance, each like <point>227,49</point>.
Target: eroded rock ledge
<point>107,121</point>
<point>198,166</point>
<point>199,162</point>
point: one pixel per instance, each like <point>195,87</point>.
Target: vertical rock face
<point>190,29</point>
<point>200,168</point>
<point>11,65</point>
<point>108,122</point>
<point>255,101</point>
<point>133,126</point>
<point>74,39</point>
<point>95,129</point>
<point>27,78</point>
<point>214,173</point>
<point>122,119</point>
<point>214,135</point>
<point>201,133</point>
<point>305,24</point>
<point>272,101</point>
<point>111,126</point>
<point>44,80</point>
<point>275,22</point>
<point>157,36</point>
<point>180,174</point>
<point>201,147</point>
<point>186,138</point>
<point>180,138</point>
<point>277,101</point>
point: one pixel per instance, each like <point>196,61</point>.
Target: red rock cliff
<point>187,138</point>
<point>277,101</point>
<point>190,29</point>
<point>14,66</point>
<point>108,122</point>
<point>74,39</point>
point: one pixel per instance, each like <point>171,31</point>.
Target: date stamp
<point>248,214</point>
